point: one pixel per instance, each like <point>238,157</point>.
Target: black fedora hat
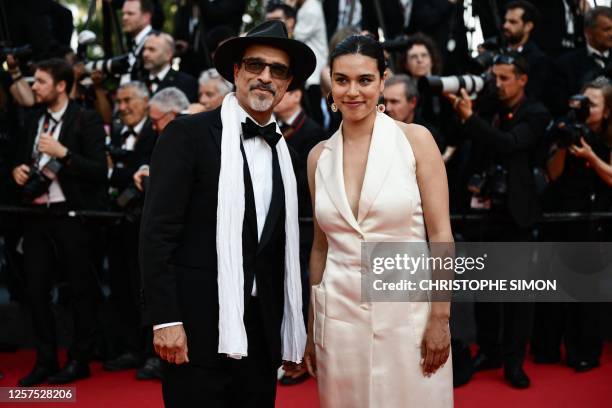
<point>272,33</point>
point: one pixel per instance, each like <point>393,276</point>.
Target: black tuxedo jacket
<point>182,81</point>
<point>178,253</point>
<point>515,142</point>
<point>143,149</point>
<point>83,179</point>
<point>570,73</point>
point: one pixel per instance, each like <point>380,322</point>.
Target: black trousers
<point>227,383</point>
<point>503,329</point>
<point>47,241</point>
<point>125,283</point>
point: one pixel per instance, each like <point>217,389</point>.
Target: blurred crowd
<point>522,119</point>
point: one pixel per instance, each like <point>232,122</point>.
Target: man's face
<point>45,90</point>
<point>132,107</point>
<point>278,14</point>
<point>261,92</point>
<point>210,97</point>
<point>396,104</point>
<point>156,53</point>
<point>514,28</point>
<point>289,104</point>
<point>160,119</point>
<point>509,85</point>
<point>600,36</point>
<point>133,18</point>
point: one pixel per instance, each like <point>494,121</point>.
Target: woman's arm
<point>603,169</point>
<point>433,187</point>
<point>318,255</point>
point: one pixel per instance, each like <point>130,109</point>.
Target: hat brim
<point>302,59</point>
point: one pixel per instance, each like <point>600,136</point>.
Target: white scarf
<point>230,214</point>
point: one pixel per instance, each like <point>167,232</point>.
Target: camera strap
<point>49,125</point>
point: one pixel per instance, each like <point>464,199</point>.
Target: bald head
<point>158,52</point>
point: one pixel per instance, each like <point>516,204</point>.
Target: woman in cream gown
<point>374,180</point>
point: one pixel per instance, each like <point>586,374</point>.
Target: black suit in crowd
<point>123,247</point>
<point>539,70</point>
<point>509,139</point>
<point>49,239</point>
<point>178,258</point>
<point>182,81</point>
<point>570,72</point>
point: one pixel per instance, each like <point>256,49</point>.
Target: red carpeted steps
<point>552,386</point>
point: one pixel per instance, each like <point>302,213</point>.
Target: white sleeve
<point>161,326</point>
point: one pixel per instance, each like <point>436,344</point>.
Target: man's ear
<point>61,87</point>
<point>529,27</point>
<point>236,69</point>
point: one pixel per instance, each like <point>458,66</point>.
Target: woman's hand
<point>310,357</point>
<point>435,347</point>
<point>584,150</point>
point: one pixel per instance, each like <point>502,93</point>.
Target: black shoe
<point>483,362</point>
<point>288,380</point>
<point>585,365</point>
<point>38,375</point>
<point>125,361</point>
<point>152,370</point>
<point>72,371</point>
<point>517,377</point>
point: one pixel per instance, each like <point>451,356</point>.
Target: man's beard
<point>513,39</point>
<point>261,103</point>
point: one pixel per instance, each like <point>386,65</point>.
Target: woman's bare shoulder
<point>420,138</point>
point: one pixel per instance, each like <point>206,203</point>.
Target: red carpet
<point>552,386</point>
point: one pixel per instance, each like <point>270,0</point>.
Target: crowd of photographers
<point>524,128</point>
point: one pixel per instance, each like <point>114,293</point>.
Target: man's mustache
<point>264,87</point>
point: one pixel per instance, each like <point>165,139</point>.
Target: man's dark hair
<point>530,12</point>
<point>146,6</point>
<point>590,18</point>
<point>514,58</point>
<point>59,69</point>
<point>288,11</point>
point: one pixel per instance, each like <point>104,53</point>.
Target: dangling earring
<point>334,107</point>
<point>380,107</point>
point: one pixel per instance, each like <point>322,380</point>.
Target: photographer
<point>580,171</point>
<point>61,169</point>
<point>503,146</point>
<point>136,23</point>
<point>131,145</point>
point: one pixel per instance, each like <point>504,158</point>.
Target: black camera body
<point>118,154</point>
<point>39,180</point>
<point>130,199</point>
<point>568,131</point>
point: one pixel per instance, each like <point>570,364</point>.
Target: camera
<point>568,130</point>
<point>130,199</point>
<point>109,66</point>
<point>39,180</point>
<point>491,184</point>
<point>117,153</point>
<point>484,60</point>
<point>21,52</point>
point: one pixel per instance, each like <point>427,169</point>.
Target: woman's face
<point>356,86</point>
<point>418,61</point>
<point>598,111</point>
<point>210,97</point>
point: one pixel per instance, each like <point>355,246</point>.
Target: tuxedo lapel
<point>67,121</point>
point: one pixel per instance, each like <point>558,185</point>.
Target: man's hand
<point>138,177</point>
<point>20,174</point>
<point>435,347</point>
<point>171,344</point>
<point>461,104</point>
<point>48,145</point>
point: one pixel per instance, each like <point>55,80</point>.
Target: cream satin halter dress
<point>368,354</point>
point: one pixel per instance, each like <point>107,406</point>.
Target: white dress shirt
<point>160,76</point>
<point>259,159</point>
<point>130,141</point>
<point>139,41</point>
<point>55,193</point>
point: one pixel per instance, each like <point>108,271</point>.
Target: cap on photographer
<point>62,169</point>
<point>504,141</point>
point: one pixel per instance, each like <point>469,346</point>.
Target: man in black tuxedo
<point>157,56</point>
<point>136,24</point>
<point>219,234</point>
<point>67,144</point>
<point>576,68</point>
<point>504,145</point>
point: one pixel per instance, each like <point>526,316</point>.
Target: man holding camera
<point>131,145</point>
<point>503,150</point>
<point>62,169</point>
